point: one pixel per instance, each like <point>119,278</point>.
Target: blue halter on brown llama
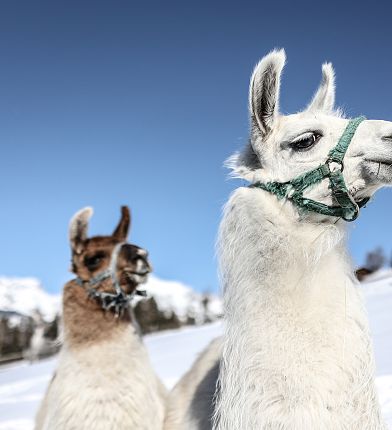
<point>104,379</point>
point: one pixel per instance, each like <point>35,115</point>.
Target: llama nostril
<point>143,267</point>
<point>142,252</point>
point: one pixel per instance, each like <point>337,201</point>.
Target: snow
<point>22,385</point>
<point>173,296</point>
<point>25,296</point>
<point>172,353</point>
<point>378,293</point>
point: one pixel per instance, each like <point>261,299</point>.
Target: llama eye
<point>94,261</point>
<point>305,142</point>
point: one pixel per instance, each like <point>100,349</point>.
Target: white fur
<point>191,402</point>
<point>275,61</point>
<point>324,99</point>
<point>104,386</point>
<point>297,353</point>
<point>78,226</point>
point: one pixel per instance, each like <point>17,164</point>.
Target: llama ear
<point>324,99</point>
<point>264,90</point>
<point>78,228</point>
<point>121,231</point>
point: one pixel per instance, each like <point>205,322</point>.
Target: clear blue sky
<point>112,102</point>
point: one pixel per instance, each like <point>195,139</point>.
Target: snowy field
<point>22,385</point>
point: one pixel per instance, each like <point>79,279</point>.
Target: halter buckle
<point>335,165</point>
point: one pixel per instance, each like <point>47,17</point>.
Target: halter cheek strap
<point>119,300</point>
<point>293,190</point>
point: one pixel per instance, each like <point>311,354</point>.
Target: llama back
<point>191,402</point>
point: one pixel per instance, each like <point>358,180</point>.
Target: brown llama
<point>104,379</point>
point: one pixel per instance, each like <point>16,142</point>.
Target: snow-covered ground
<point>378,294</point>
<point>22,385</point>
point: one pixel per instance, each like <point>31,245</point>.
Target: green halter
<point>293,190</point>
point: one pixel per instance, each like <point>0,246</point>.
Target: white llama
<point>104,380</point>
<point>296,353</point>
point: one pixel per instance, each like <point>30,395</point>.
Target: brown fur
<point>84,319</point>
<point>85,322</point>
<point>103,246</point>
<point>121,231</point>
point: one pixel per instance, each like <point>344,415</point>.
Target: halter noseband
<point>118,301</point>
<point>332,169</point>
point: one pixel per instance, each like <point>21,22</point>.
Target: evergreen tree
<point>375,259</point>
<point>151,319</point>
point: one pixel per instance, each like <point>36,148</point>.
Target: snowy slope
<point>378,294</point>
<point>22,385</point>
<point>26,295</point>
<point>173,296</point>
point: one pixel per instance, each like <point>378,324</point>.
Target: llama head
<point>92,256</point>
<point>282,147</point>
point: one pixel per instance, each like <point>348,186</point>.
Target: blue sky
<point>105,103</point>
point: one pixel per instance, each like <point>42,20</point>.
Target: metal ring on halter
<point>331,162</point>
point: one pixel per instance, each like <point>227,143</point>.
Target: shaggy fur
<point>296,351</point>
<point>104,380</point>
<point>191,402</point>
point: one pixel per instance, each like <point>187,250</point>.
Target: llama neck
<point>85,322</point>
<point>266,259</point>
<point>296,339</point>
<point>104,378</point>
